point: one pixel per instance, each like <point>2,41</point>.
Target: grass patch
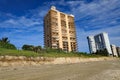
<point>10,52</point>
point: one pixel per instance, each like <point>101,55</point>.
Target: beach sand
<point>98,70</point>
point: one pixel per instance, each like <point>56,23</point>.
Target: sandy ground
<point>99,70</point>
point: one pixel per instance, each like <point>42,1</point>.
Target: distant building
<point>114,50</point>
<point>99,42</point>
<point>91,42</point>
<point>118,51</point>
<point>59,30</point>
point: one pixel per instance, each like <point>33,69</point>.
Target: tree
<point>37,49</point>
<point>32,48</point>
<point>28,47</point>
<point>4,40</point>
<point>5,43</point>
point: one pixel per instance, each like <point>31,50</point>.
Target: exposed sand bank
<point>22,61</point>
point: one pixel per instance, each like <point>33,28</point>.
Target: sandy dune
<point>99,70</point>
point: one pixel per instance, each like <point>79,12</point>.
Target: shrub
<point>28,47</point>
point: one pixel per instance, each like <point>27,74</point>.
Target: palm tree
<point>5,43</point>
<point>4,40</point>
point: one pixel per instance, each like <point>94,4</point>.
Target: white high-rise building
<point>91,43</point>
<point>99,42</point>
<point>114,50</point>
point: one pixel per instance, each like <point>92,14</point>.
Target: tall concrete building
<point>114,50</point>
<point>99,42</point>
<point>91,42</point>
<point>59,30</point>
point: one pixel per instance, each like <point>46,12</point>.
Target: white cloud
<point>91,18</point>
<point>31,18</point>
<point>101,12</point>
<point>26,29</point>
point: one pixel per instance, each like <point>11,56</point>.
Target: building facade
<point>59,30</point>
<point>118,51</point>
<point>114,50</point>
<point>100,42</point>
<point>91,43</point>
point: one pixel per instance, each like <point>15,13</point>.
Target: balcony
<point>53,13</point>
<point>64,34</point>
<point>64,39</point>
<point>56,38</point>
<point>70,19</point>
<point>62,16</point>
<point>54,44</point>
<point>63,22</point>
<point>64,31</point>
<point>72,32</point>
<point>55,30</point>
<point>53,35</point>
<point>54,24</point>
<point>72,39</point>
<point>62,19</point>
<point>54,19</point>
<point>72,35</point>
<point>54,27</point>
<point>63,28</point>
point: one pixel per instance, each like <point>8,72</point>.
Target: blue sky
<point>22,20</point>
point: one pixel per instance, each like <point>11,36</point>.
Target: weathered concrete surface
<point>97,70</point>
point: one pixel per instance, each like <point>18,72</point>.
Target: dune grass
<point>10,52</point>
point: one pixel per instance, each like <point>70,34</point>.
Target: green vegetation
<point>11,52</point>
<point>43,53</point>
<point>102,52</point>
<point>31,48</point>
<point>59,53</point>
<point>6,48</point>
<point>5,43</point>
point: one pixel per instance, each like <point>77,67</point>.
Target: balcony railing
<point>72,35</point>
<point>55,30</point>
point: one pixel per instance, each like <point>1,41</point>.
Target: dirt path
<point>101,70</point>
